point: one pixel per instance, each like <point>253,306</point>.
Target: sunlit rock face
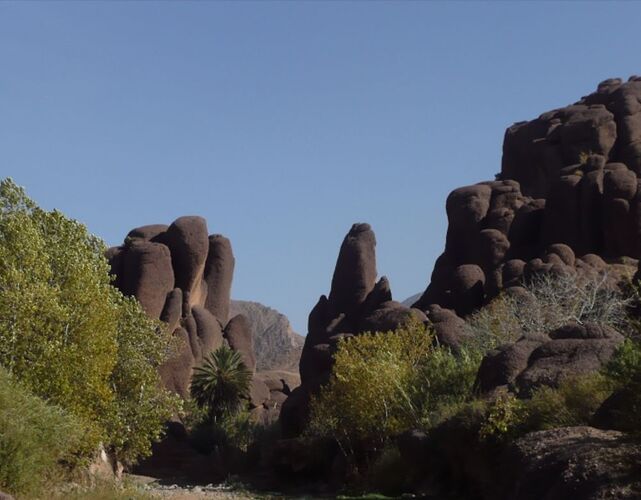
<point>567,200</point>
<point>182,276</point>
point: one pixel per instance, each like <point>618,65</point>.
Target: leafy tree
<point>221,383</point>
<point>385,383</point>
<point>69,335</point>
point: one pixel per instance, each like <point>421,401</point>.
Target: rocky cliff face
<point>277,346</point>
<point>182,276</point>
<point>567,200</point>
<point>356,303</point>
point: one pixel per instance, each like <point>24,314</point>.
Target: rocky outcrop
<point>276,345</point>
<point>183,277</point>
<point>571,350</point>
<point>357,303</point>
<point>582,463</point>
<point>567,200</point>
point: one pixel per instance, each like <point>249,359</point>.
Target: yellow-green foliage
<point>69,335</point>
<point>35,438</point>
<point>369,396</point>
<point>572,403</point>
<point>385,383</point>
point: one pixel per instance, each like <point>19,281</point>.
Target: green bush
<point>385,383</point>
<point>36,439</point>
<point>228,431</point>
<point>625,365</point>
<point>370,396</point>
<point>70,336</point>
<point>572,403</point>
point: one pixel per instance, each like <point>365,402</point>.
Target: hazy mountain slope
<point>410,300</point>
<point>276,345</point>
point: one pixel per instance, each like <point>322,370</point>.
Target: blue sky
<point>284,123</point>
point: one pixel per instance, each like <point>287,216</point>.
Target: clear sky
<point>284,123</point>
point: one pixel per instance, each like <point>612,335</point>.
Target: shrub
<point>370,395</point>
<point>228,431</point>
<point>554,301</point>
<point>70,336</point>
<point>445,380</point>
<point>221,383</point>
<point>36,439</point>
<point>625,365</point>
<point>572,403</point>
<point>385,383</point>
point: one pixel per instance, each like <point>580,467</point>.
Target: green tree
<point>69,335</point>
<point>221,383</point>
<point>385,383</point>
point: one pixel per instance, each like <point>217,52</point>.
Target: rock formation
<point>357,303</point>
<point>567,200</point>
<point>182,276</point>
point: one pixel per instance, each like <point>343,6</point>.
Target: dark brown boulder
<point>175,373</point>
<point>467,288</point>
<point>355,273</point>
<point>380,293</point>
<point>172,311</point>
<point>390,316</point>
<point>258,392</point>
<point>145,233</point>
<point>558,359</point>
<point>512,272</point>
<point>316,365</point>
<point>581,463</point>
<point>146,273</point>
<point>586,331</point>
<point>208,329</point>
<point>450,329</point>
<point>620,411</point>
<point>188,242</point>
<point>219,273</point>
<point>501,366</point>
<point>295,412</point>
<point>466,208</point>
<point>238,334</point>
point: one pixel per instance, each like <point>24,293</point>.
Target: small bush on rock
<point>572,403</point>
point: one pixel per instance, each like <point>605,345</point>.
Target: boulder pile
<point>182,276</point>
<point>567,200</point>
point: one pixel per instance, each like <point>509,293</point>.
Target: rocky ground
<point>181,491</point>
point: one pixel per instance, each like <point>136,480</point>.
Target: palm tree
<point>221,382</point>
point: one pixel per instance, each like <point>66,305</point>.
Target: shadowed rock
<point>187,239</point>
<point>219,273</point>
<point>238,334</point>
<point>355,272</point>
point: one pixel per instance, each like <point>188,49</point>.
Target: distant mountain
<point>410,300</point>
<point>277,346</point>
